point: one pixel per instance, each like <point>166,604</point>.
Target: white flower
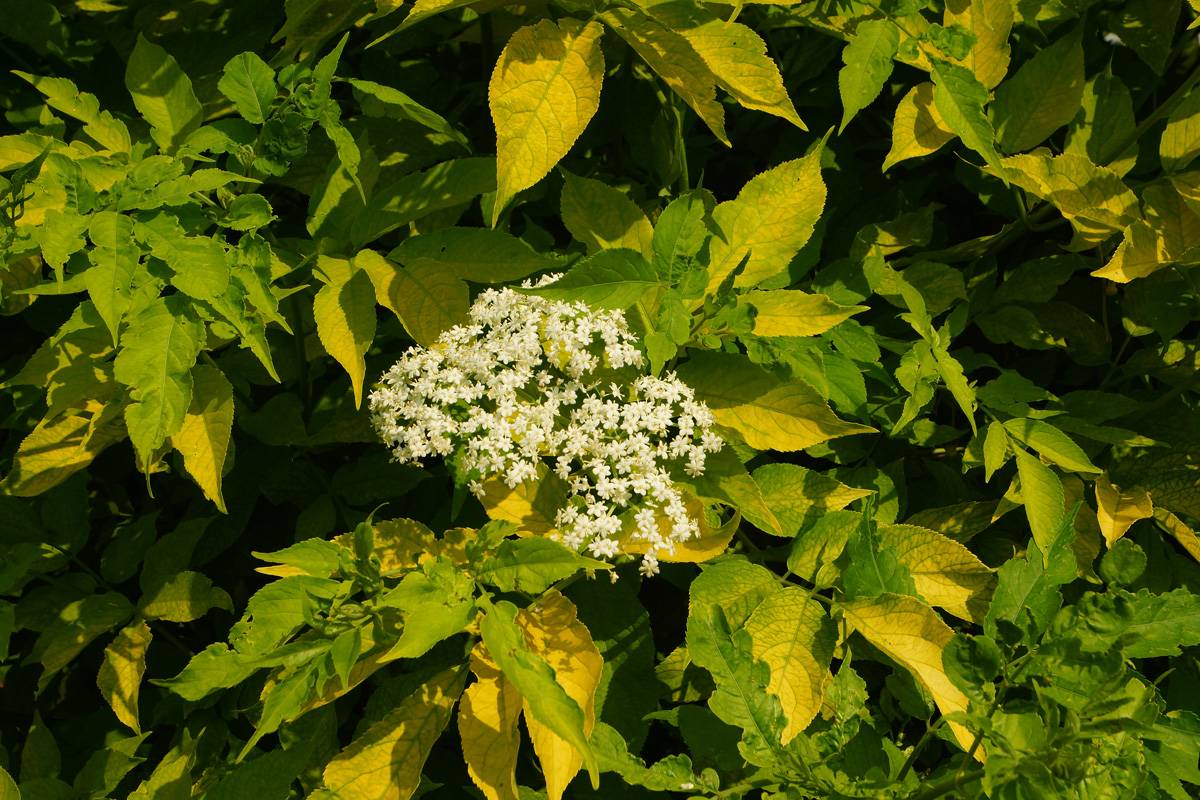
<point>517,389</point>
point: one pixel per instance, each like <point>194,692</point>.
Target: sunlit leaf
<point>120,676</point>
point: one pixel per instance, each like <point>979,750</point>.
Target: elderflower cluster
<point>521,385</point>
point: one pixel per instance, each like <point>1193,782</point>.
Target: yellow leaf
<point>918,128</point>
<point>912,634</point>
<point>771,219</point>
<point>795,637</point>
<point>799,496</point>
<point>791,312</point>
<point>487,725</point>
<point>427,296</point>
<point>1118,510</point>
<point>945,573</point>
<point>203,440</point>
<point>603,217</point>
<point>59,447</point>
<point>768,413</point>
<point>991,21</point>
<point>672,56</point>
<point>1136,257</point>
<point>345,315</point>
<point>533,504</point>
<point>543,93</point>
<point>736,56</point>
<point>552,631</point>
<point>385,762</point>
<point>1183,534</point>
<point>400,544</point>
<point>120,676</point>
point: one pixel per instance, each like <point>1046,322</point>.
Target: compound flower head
<point>530,381</point>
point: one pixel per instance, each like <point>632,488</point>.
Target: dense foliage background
<point>929,262</point>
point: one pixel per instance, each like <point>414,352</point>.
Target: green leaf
<point>868,65</point>
<point>1043,496</point>
<point>960,98</point>
<point>478,255</point>
<point>1051,443</point>
<point>115,259</point>
<point>726,480</point>
<point>1180,142</point>
<point>995,449</point>
<point>268,777</point>
<point>1148,26</point>
<point>214,668</point>
<point>1043,96</point>
<point>77,624</point>
<point>548,701</point>
<point>741,698</point>
<point>162,94</point>
<point>161,346</point>
<point>1105,123</point>
<point>250,84</point>
<point>200,264</point>
<point>679,234</point>
<point>532,565</point>
<point>40,756</point>
<point>610,279</point>
<point>385,101</point>
<point>437,602</point>
<point>873,568</point>
<point>1162,624</point>
<point>737,586</point>
<point>419,194</point>
<point>1027,588</point>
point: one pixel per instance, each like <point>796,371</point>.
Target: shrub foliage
<point>926,263</point>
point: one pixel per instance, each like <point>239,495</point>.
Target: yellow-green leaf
<point>795,637</point>
<point>487,725</point>
<point>114,260</point>
<point>59,447</point>
<point>991,21</point>
<point>736,56</point>
<point>603,217</point>
<point>766,412</point>
<point>1043,96</point>
<point>918,128</point>
<point>946,574</point>
<point>8,787</point>
<point>1174,218</point>
<point>771,219</point>
<point>1183,534</point>
<point>384,763</point>
<point>1117,510</point>
<point>791,312</point>
<point>1078,188</point>
<point>426,295</point>
<point>120,676</point>
<point>912,634</point>
<point>868,62</point>
<point>676,61</point>
<point>203,439</point>
<point>1136,257</point>
<point>553,632</point>
<point>544,91</point>
<point>162,94</point>
<point>1051,443</point>
<point>799,497</point>
<point>1180,142</point>
<point>345,313</point>
<point>183,597</point>
<point>399,544</point>
<point>532,504</point>
<point>1107,122</point>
